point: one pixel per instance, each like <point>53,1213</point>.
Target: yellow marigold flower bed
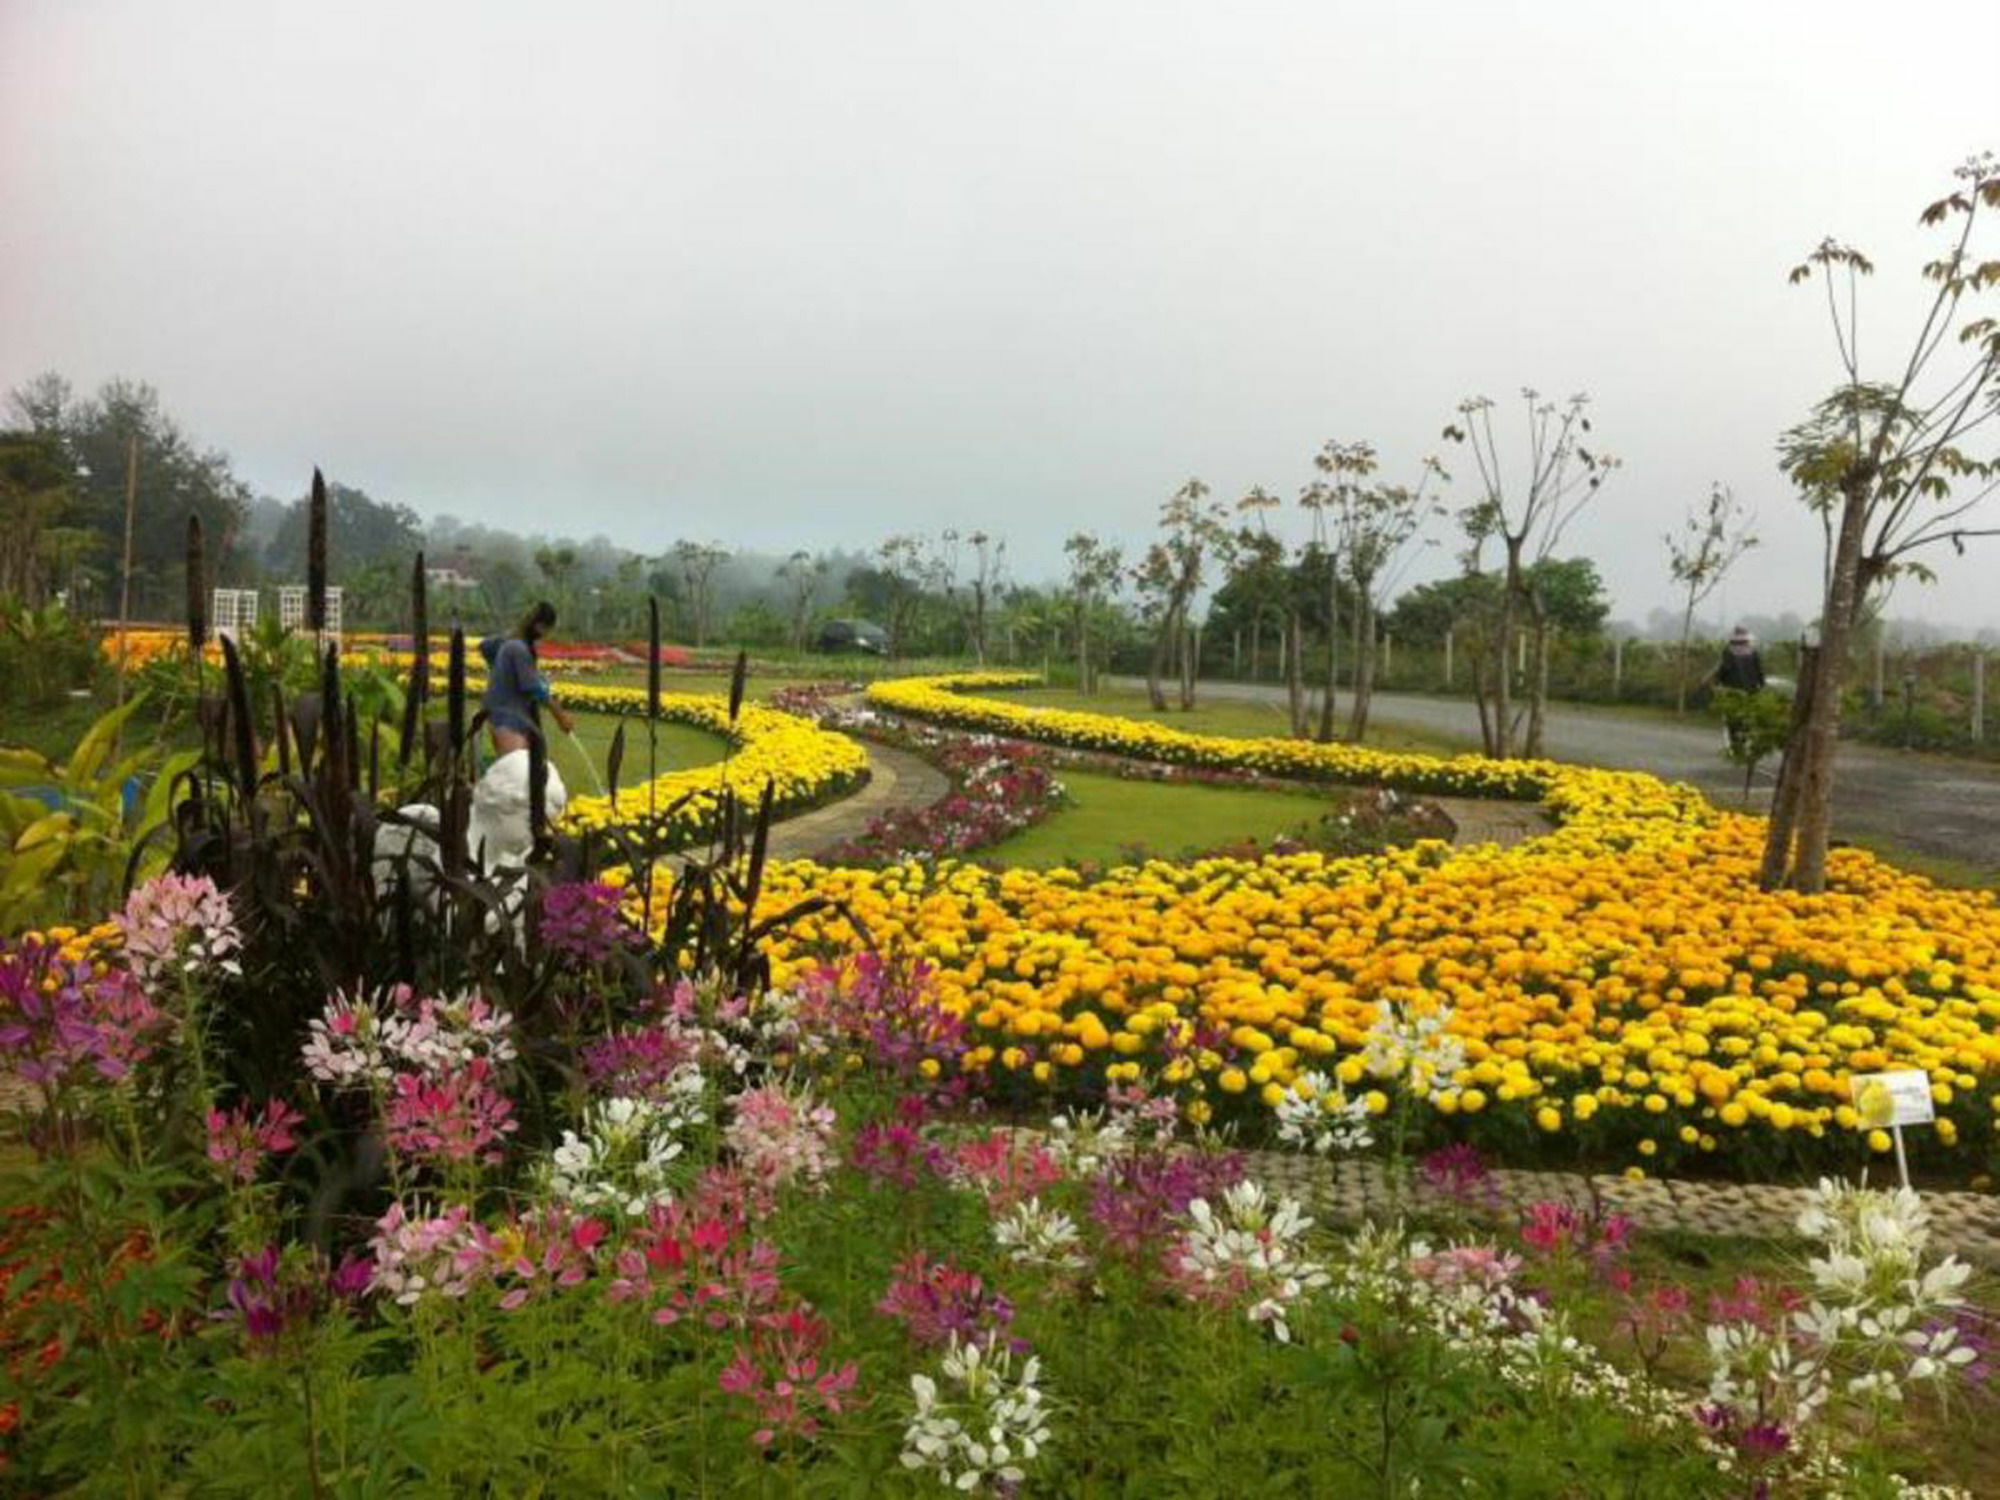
<point>1617,981</point>
<point>804,764</point>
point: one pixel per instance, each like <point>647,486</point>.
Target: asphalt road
<point>1935,805</point>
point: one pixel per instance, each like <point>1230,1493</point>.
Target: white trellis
<point>292,608</point>
<point>233,611</point>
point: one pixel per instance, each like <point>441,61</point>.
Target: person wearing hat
<point>1743,670</point>
<point>1740,668</point>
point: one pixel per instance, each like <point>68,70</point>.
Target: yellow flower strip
<point>1621,982</point>
<point>804,764</point>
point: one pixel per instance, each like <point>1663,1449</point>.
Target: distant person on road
<point>1740,668</point>
<point>515,686</point>
<point>1743,670</point>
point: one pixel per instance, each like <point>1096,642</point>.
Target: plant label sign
<point>1893,1099</point>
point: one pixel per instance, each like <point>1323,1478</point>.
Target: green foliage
<point>46,653</point>
<point>68,862</point>
<point>1759,725</point>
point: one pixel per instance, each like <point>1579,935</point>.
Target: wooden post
<point>125,584</point>
<point>1447,656</point>
<point>1388,643</point>
<point>1617,667</point>
<point>1978,694</point>
<point>1521,652</point>
<point>1284,640</point>
<point>1236,653</point>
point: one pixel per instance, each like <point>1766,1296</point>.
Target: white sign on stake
<point>1894,1099</point>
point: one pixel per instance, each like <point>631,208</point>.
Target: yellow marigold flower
<point>1472,1101</point>
<point>1879,1141</point>
<point>1273,1094</point>
<point>1549,1118</point>
<point>1377,1102</point>
<point>1649,1147</point>
<point>1232,1080</point>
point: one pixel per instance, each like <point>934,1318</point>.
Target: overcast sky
<point>808,274</point>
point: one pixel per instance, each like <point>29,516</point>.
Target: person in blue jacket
<point>515,688</point>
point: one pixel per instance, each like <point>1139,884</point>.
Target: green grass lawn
<point>681,747</point>
<point>1107,816</point>
<point>1242,720</point>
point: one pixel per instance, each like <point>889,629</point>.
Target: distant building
<point>449,578</point>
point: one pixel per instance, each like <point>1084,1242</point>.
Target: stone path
<point>1348,1191</point>
<point>897,782</point>
<point>1485,821</point>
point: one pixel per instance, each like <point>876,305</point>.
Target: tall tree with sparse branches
<point>1169,576</point>
<point>1892,468</point>
<point>698,563</point>
<point>1094,571</point>
<point>1525,510</point>
<point>802,574</point>
<point>1373,526</point>
<point>1713,536</point>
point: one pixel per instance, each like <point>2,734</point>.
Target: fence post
<point>1447,656</point>
<point>1388,641</point>
<point>1978,694</point>
<point>1617,667</point>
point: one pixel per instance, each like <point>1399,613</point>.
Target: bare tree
<point>989,565</point>
<point>1168,578</point>
<point>697,567</point>
<point>1891,468</point>
<point>1094,569</point>
<point>1259,570</point>
<point>802,574</point>
<point>1373,525</point>
<point>1711,539</point>
<point>1527,514</point>
<point>905,568</point>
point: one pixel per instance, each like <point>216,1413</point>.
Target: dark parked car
<point>854,635</point>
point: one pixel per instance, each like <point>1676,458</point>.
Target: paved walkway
<point>1349,1191</point>
<point>1934,804</point>
<point>1481,820</point>
<point>897,782</point>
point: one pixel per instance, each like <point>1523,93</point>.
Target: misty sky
<point>808,274</point>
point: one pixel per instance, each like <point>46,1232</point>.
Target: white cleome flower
<point>984,1427</point>
<point>1415,1047</point>
<point>1036,1236</point>
<point>1316,1115</point>
<point>624,1156</point>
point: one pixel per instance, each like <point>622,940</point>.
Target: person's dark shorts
<point>506,718</point>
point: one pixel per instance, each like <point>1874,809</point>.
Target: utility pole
<point>125,583</point>
<point>1978,694</point>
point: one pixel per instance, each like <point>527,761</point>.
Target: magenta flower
<point>894,1153</point>
<point>1137,1200</point>
<point>707,1269</point>
<point>1003,1170</point>
<point>937,1302</point>
<point>238,1141</point>
<point>455,1119</point>
<point>541,1250</point>
<point>583,920</point>
<point>640,1064</point>
<point>1556,1231</point>
<point>782,1371</point>
<point>61,1023</point>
